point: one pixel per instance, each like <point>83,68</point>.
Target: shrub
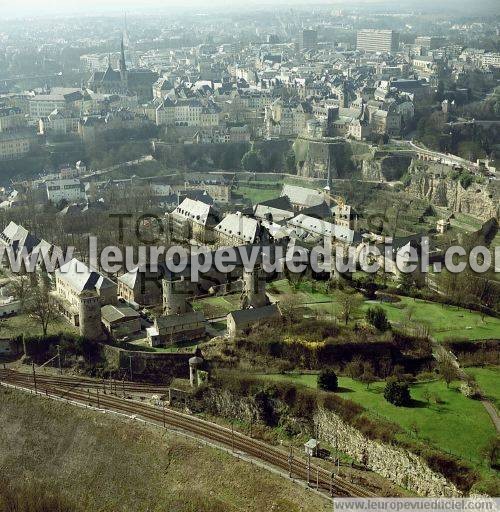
<point>466,180</point>
<point>491,452</point>
<point>368,375</point>
<point>376,429</point>
<point>327,380</point>
<point>252,161</point>
<point>346,409</point>
<point>397,393</point>
<point>378,318</point>
<point>354,368</point>
<point>457,471</point>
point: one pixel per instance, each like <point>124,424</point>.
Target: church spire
<point>123,65</point>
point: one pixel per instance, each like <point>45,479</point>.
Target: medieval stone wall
<point>148,366</point>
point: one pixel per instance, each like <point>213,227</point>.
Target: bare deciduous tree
<point>349,304</point>
<point>41,306</point>
<point>368,375</point>
<point>20,287</point>
<point>447,370</point>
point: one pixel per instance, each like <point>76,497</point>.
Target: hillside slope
<point>55,457</point>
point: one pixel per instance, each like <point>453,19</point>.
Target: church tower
<point>123,65</point>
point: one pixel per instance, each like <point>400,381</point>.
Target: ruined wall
<point>396,464</point>
<point>148,366</point>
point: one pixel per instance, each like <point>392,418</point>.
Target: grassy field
<point>488,379</point>
<point>457,425</point>
<point>444,321</point>
<point>306,292</point>
<point>23,324</point>
<point>215,307</point>
<point>465,222</point>
<point>90,461</point>
<point>257,195</point>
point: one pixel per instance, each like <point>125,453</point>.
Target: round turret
<point>254,289</point>
<point>195,363</point>
<point>174,296</point>
<point>90,315</point>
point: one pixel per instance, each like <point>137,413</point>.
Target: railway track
<point>86,390</point>
<point>119,385</point>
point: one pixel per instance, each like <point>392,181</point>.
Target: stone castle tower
<point>254,289</point>
<point>90,315</point>
<point>175,295</point>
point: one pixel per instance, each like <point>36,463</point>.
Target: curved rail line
<point>80,391</point>
<point>119,384</point>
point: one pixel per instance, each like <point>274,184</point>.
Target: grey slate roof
<point>17,237</point>
<point>244,317</point>
<point>262,212</point>
<point>196,211</point>
<point>240,226</point>
<point>303,196</point>
<point>111,313</point>
<point>129,279</point>
<point>165,322</point>
<point>81,278</point>
<point>322,228</point>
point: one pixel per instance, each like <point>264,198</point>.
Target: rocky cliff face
<point>386,168</point>
<point>478,199</point>
<point>315,157</point>
<point>229,405</point>
<point>396,464</point>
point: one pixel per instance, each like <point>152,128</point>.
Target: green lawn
<point>257,195</point>
<point>307,292</point>
<point>444,321</point>
<point>465,222</point>
<point>458,425</point>
<point>22,324</point>
<point>214,307</point>
<point>488,379</point>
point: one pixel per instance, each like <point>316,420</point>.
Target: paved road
<point>492,411</point>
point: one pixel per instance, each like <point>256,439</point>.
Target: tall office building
<point>308,39</point>
<point>371,40</point>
